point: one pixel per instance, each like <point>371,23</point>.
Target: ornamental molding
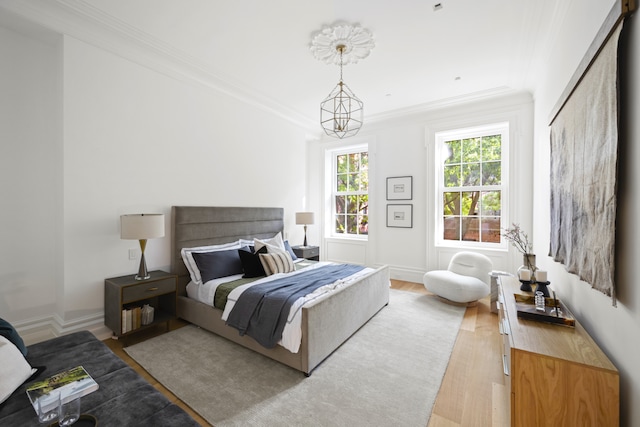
<point>357,41</point>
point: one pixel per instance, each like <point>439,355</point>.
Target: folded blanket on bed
<point>261,311</point>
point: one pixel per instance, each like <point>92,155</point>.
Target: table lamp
<point>304,218</point>
<point>141,227</point>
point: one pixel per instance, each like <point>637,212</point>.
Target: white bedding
<point>292,334</point>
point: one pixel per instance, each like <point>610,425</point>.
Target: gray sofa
<point>123,398</point>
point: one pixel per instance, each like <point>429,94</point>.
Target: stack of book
<point>134,317</point>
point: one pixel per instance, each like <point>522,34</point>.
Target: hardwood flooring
<point>472,392</point>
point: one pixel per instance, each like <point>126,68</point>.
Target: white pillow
<point>275,243</point>
<point>277,262</point>
<point>14,368</point>
<point>190,263</point>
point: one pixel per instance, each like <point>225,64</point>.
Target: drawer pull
<point>152,289</point>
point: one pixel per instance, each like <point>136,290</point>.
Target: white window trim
<point>462,133</point>
<point>330,174</point>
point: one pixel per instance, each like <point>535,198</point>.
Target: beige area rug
<point>387,374</point>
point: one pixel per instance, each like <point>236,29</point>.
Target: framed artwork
<point>400,188</point>
<point>400,216</point>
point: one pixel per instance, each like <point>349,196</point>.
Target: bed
<point>326,322</point>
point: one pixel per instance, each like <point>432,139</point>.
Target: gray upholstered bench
<point>123,398</point>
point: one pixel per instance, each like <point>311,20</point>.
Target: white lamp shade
<point>141,226</point>
<point>304,218</point>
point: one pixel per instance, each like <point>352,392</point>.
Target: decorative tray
<point>526,308</point>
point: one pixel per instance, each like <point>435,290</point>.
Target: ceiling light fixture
<point>341,113</point>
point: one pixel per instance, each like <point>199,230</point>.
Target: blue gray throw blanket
<point>261,311</point>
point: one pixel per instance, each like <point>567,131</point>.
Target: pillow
<point>213,265</point>
<point>187,257</point>
<point>273,243</point>
<point>287,247</point>
<point>8,331</point>
<point>251,264</point>
<point>14,369</point>
<point>277,262</point>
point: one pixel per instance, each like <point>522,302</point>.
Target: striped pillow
<point>277,262</point>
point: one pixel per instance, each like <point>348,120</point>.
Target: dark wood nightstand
<point>125,296</point>
<point>308,252</point>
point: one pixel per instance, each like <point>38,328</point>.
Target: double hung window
<point>471,185</point>
<point>350,192</point>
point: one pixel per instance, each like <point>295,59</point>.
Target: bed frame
<point>326,322</point>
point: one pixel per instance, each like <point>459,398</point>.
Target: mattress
<point>292,334</point>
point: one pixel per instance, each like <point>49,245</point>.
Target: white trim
<point>38,329</point>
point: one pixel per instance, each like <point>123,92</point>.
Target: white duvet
<point>292,334</point>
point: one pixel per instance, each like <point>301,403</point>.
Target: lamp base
<point>143,274</point>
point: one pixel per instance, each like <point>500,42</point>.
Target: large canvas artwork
<point>584,147</point>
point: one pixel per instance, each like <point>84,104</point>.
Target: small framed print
<point>400,188</point>
<point>400,216</point>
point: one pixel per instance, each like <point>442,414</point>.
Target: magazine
<point>71,384</point>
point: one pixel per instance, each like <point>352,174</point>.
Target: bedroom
<point>86,140</point>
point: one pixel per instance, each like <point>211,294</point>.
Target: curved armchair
<point>466,279</point>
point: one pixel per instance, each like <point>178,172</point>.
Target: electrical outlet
<point>133,253</point>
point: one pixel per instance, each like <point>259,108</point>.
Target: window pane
<point>451,228</point>
<point>354,162</point>
<point>452,176</point>
<point>471,150</point>
<point>352,204</point>
<point>452,203</point>
<point>470,228</point>
<point>363,204</point>
<point>341,182</point>
<point>491,173</point>
<point>454,151</point>
<point>353,182</point>
<point>491,203</point>
<point>341,163</point>
<point>364,180</point>
<point>490,229</point>
<point>470,202</point>
<point>352,224</point>
<point>491,147</point>
<point>363,221</point>
<point>340,204</point>
<point>364,161</point>
<point>340,223</point>
<point>470,174</point>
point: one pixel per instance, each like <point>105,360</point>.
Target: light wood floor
<point>472,392</point>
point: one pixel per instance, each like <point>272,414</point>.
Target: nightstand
<point>308,252</point>
<point>124,298</point>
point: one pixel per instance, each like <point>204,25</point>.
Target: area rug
<point>387,374</point>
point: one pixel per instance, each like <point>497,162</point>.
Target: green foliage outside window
<point>351,194</point>
<point>472,198</point>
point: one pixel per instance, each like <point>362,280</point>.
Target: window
<point>471,185</point>
<point>350,192</point>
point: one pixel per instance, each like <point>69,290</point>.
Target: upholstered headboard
<point>193,226</point>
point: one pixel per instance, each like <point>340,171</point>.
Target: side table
<point>308,252</point>
<point>125,296</point>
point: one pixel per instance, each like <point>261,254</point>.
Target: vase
<point>528,263</point>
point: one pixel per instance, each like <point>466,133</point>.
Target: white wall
<point>405,147</point>
<point>615,329</point>
<point>131,140</point>
<point>30,177</point>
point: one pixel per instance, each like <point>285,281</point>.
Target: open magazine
<point>71,384</point>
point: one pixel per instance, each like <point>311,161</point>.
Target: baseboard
<point>406,274</point>
<point>40,329</point>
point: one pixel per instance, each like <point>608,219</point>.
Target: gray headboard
<point>193,226</point>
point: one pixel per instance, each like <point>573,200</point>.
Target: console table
<point>556,375</point>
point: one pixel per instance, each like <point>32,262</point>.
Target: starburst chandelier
<point>341,113</point>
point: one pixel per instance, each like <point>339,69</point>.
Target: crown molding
<point>80,20</point>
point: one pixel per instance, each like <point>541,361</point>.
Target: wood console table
<point>556,375</point>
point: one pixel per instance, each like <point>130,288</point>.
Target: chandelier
<point>341,113</point>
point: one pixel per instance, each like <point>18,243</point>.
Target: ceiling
<point>423,56</point>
